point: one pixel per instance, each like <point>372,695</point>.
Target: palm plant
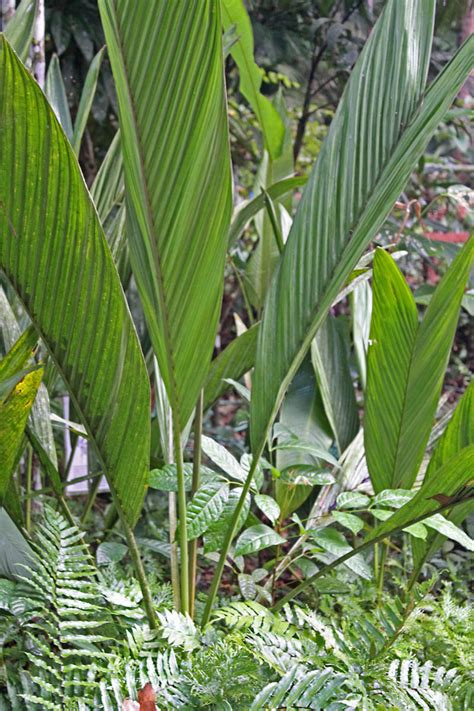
<point>165,192</point>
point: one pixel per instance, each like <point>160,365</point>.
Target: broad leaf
<point>329,353</point>
<point>256,538</point>
<point>268,506</point>
<point>302,414</point>
<point>347,197</point>
<point>215,535</point>
<point>205,507</point>
<point>223,458</point>
<point>235,15</point>
<point>19,31</point>
<point>166,479</point>
<point>55,255</point>
<point>174,137</point>
<point>334,542</point>
<point>406,368</point>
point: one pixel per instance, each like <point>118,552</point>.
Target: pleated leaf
<point>379,131</point>
<point>168,70</point>
<point>54,253</point>
<point>406,367</point>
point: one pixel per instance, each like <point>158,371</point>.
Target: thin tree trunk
<point>38,59</point>
<point>7,12</point>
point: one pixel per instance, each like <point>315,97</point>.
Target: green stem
<point>139,569</point>
<point>227,541</point>
<point>174,559</point>
<point>29,481</point>
<point>324,570</point>
<point>193,545</point>
<point>91,499</point>
<point>183,533</point>
<point>380,578</point>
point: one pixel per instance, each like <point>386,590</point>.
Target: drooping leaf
<point>449,529</point>
<point>235,14</point>
<point>347,197</point>
<point>256,538</point>
<point>205,507</point>
<point>56,92</point>
<point>85,103</point>
<point>174,138</point>
<point>406,368</point>
<point>330,357</point>
<point>233,362</point>
<point>54,254</point>
<point>19,30</point>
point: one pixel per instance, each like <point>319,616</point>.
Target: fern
<point>66,619</point>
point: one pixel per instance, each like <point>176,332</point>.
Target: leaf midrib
<point>173,395</point>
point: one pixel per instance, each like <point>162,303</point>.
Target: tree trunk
<point>38,59</point>
<point>6,12</point>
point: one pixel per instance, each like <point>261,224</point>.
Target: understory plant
<point>318,495</point>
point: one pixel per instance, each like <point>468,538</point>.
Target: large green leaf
<point>330,356</point>
<point>19,31</point>
<point>302,415</point>
<point>54,253</point>
<point>235,15</point>
<point>406,368</point>
<point>458,434</point>
<point>379,131</point>
<point>168,70</point>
